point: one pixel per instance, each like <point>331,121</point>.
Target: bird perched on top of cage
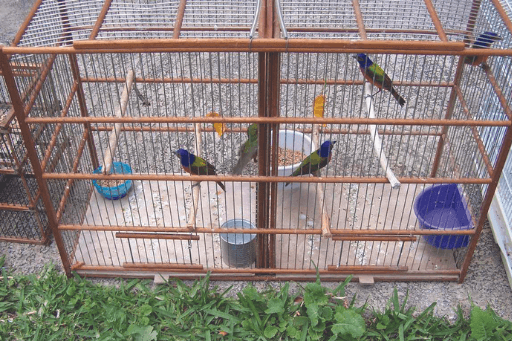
<point>483,41</point>
<point>196,165</point>
<point>248,150</point>
<point>376,76</point>
<point>315,161</point>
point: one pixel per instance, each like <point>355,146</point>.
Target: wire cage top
<point>61,23</point>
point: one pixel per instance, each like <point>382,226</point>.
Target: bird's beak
<point>354,56</point>
<point>333,142</point>
<point>176,153</point>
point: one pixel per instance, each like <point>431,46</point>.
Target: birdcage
<point>398,196</point>
<point>23,217</point>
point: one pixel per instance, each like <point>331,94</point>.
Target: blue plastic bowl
<point>117,192</point>
<point>442,207</point>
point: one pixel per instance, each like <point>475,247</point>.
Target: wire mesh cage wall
<point>22,214</point>
<point>398,197</point>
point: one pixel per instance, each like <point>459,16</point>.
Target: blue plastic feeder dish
<point>442,207</point>
<point>116,192</point>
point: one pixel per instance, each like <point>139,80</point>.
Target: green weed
<point>52,307</point>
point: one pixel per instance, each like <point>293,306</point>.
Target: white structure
<point>500,212</point>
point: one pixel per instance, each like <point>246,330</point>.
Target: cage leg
<point>377,143</point>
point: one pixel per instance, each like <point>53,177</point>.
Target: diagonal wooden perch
<point>377,143</point>
<point>326,221</point>
<point>191,224</point>
<point>114,135</point>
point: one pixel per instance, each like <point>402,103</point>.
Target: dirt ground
<point>486,282</point>
<point>12,14</point>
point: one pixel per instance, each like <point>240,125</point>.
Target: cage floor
<point>349,206</point>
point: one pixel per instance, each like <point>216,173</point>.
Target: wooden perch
<point>377,143</point>
<point>191,224</point>
<point>114,135</point>
<point>326,222</point>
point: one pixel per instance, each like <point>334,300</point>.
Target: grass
<point>51,306</point>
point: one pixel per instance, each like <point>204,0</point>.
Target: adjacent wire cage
<point>22,212</point>
<point>120,90</point>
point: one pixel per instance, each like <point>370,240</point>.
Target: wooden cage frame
<point>268,45</point>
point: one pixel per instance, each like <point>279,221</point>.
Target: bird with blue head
<point>483,41</point>
<point>374,74</point>
<point>316,160</point>
<point>196,165</point>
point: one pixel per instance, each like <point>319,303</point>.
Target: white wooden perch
<point>377,143</point>
<point>326,221</point>
<point>191,224</point>
<point>114,135</point>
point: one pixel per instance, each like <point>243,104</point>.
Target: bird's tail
<point>242,162</point>
<point>398,98</point>
<point>221,185</point>
<point>295,173</point>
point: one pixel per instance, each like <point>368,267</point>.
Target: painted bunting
<point>483,41</point>
<point>376,76</point>
<point>196,165</point>
<point>248,150</point>
<point>316,160</point>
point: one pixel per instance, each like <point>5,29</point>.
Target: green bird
<point>316,160</point>
<point>248,150</point>
<point>376,76</point>
<point>196,165</point>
